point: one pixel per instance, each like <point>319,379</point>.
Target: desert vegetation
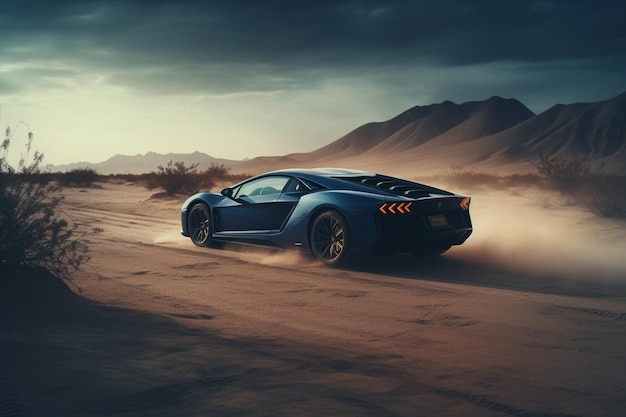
<point>465,180</point>
<point>559,181</point>
<point>32,233</point>
<point>177,178</point>
<point>568,182</point>
<point>78,177</point>
<point>576,183</point>
<point>173,178</point>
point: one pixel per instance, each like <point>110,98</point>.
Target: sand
<point>528,318</point>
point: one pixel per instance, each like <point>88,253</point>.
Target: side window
<point>294,186</point>
<point>265,186</point>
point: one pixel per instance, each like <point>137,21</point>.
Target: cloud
<point>292,74</point>
<point>223,46</point>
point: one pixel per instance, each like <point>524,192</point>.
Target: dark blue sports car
<point>338,215</point>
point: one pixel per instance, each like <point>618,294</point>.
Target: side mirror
<point>227,192</point>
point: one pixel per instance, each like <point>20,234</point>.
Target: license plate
<point>437,221</point>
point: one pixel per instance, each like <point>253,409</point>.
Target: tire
<point>330,241</point>
<point>199,225</point>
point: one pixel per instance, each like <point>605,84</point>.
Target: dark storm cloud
<point>229,46</point>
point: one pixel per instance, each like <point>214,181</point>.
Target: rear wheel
<point>199,224</point>
<point>329,239</point>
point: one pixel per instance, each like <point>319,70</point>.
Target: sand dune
<point>526,319</point>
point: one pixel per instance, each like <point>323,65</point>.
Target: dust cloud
<point>173,237</point>
<point>512,231</point>
<point>274,257</point>
<point>521,233</point>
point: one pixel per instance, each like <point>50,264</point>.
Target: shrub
<point>556,168</point>
<point>31,234</point>
<point>465,180</point>
<point>79,177</point>
<point>604,196</point>
<point>577,184</point>
<point>562,174</point>
<point>176,178</point>
<point>210,176</point>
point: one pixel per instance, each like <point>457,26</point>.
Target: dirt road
<point>193,331</point>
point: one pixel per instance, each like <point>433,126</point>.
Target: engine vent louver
<point>416,193</point>
<point>396,186</point>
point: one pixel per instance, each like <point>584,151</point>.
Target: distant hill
<point>141,164</point>
<point>595,132</point>
<point>446,122</point>
<point>497,134</point>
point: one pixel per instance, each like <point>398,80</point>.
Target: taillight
<point>395,208</point>
<point>465,203</point>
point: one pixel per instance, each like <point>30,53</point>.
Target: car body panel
<point>383,214</point>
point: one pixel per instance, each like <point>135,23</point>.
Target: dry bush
<point>31,233</point>
<point>561,169</point>
<point>562,175</point>
<point>577,184</point>
<point>463,179</point>
<point>558,181</point>
<point>79,177</point>
<point>176,178</point>
<point>604,196</point>
<point>215,171</point>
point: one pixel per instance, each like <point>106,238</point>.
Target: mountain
<point>496,134</point>
<point>595,132</point>
<point>141,164</point>
<point>417,126</point>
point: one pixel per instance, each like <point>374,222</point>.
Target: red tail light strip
<point>395,208</point>
<point>466,203</point>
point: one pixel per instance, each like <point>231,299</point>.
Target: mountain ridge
<point>497,134</point>
<point>146,163</point>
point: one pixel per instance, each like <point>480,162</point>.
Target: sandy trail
<point>189,331</point>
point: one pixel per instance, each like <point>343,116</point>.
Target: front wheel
<point>330,243</point>
<point>199,224</point>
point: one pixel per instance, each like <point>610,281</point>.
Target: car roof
<point>323,172</point>
<point>370,182</point>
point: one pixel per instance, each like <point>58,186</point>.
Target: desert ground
<point>527,318</point>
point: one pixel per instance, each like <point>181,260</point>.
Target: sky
<point>239,79</point>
